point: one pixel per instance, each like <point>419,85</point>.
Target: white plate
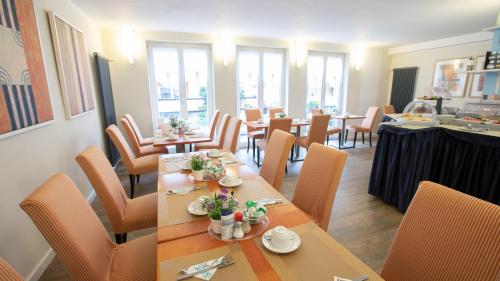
<point>217,155</point>
<point>185,167</point>
<point>192,209</point>
<point>190,133</point>
<point>235,184</point>
<point>293,246</point>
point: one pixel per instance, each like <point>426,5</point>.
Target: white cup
<point>281,237</point>
<point>230,179</point>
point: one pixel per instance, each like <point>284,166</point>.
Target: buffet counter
<point>445,154</point>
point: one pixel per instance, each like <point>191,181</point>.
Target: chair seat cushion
<point>147,141</point>
<point>358,128</point>
<point>256,134</point>
<point>207,145</point>
<point>150,150</point>
<point>144,164</point>
<point>141,213</point>
<point>301,141</point>
<point>333,131</point>
<point>261,144</point>
<point>134,260</point>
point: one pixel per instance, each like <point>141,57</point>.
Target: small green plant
<point>282,115</point>
<point>197,163</point>
<point>221,203</point>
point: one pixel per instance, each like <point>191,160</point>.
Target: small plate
<point>293,246</point>
<point>235,184</point>
<point>218,155</point>
<point>185,166</point>
<point>192,209</point>
<point>190,133</point>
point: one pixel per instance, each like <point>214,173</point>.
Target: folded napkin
<point>205,275</point>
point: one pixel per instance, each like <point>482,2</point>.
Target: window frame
<point>180,47</point>
<point>343,82</point>
<point>260,89</point>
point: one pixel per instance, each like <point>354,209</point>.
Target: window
<point>325,77</point>
<point>260,78</point>
<point>181,81</point>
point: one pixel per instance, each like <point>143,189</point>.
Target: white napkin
<point>205,275</point>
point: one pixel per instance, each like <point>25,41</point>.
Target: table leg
<point>179,148</point>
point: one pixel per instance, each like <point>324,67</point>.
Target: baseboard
<point>50,254</point>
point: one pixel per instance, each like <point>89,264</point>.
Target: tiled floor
<point>363,224</point>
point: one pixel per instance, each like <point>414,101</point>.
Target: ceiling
<point>370,22</point>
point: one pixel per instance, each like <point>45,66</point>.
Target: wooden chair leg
<point>124,237</point>
<point>291,153</point>
<point>248,144</point>
<point>118,238</point>
<point>346,133</point>
<point>355,136</point>
<point>253,148</point>
<point>370,139</point>
<point>363,137</point>
<point>286,169</point>
<point>132,185</point>
<point>138,177</point>
<point>340,138</point>
<point>258,157</point>
<point>327,139</point>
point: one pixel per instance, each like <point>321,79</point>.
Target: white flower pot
<point>198,175</point>
<point>215,225</point>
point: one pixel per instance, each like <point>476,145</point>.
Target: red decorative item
<point>238,216</point>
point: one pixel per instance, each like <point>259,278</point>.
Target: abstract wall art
<point>24,95</point>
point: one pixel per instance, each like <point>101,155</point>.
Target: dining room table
<point>344,118</point>
<point>180,139</point>
<point>184,239</point>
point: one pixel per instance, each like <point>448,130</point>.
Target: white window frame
<point>343,82</point>
<point>151,45</point>
<point>260,93</point>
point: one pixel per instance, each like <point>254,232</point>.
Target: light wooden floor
<point>363,224</point>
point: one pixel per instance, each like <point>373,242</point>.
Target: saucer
<point>216,155</point>
<point>292,247</point>
<point>194,211</point>
<point>235,184</point>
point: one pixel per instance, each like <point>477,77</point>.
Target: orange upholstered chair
<point>365,127</point>
<point>316,133</point>
<point>139,150</point>
<point>253,114</point>
<point>283,124</point>
<point>213,124</point>
<point>142,141</point>
<point>389,109</point>
<point>8,273</point>
<point>232,135</point>
<point>331,130</point>
<point>73,230</point>
<point>135,165</point>
<point>125,214</point>
<point>221,134</point>
<point>445,235</point>
<point>274,164</point>
<point>318,182</point>
<point>273,111</point>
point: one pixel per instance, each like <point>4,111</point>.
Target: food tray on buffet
<point>479,115</point>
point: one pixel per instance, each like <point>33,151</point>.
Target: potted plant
<point>213,170</point>
<point>282,115</point>
<point>173,122</point>
<point>220,205</point>
<point>198,167</point>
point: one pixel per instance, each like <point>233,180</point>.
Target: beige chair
<point>318,182</point>
<point>8,273</point>
<point>135,165</point>
<point>365,127</point>
<point>213,124</point>
<point>274,164</point>
<point>389,109</point>
<point>273,111</point>
<point>316,133</point>
<point>253,114</point>
<point>125,214</point>
<point>445,235</point>
<point>73,230</point>
<point>134,141</point>
<point>232,135</point>
<point>137,133</point>
<point>283,124</point>
<point>331,130</point>
<point>221,134</point>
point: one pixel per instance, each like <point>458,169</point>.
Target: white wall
<point>28,159</point>
<point>131,84</point>
<point>425,61</point>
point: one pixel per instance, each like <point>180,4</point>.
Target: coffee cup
<point>281,237</point>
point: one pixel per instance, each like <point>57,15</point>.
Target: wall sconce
<point>359,51</point>
<point>226,48</point>
<point>299,52</point>
<point>128,44</point>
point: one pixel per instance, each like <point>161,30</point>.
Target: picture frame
<point>477,84</point>
<point>25,102</point>
<point>451,74</point>
<point>72,66</point>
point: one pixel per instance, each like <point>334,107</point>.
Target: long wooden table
<point>182,139</point>
<point>183,239</point>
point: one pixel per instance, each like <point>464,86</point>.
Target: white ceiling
<point>371,22</point>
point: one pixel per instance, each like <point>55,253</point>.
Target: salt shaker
<point>238,230</point>
<point>246,226</point>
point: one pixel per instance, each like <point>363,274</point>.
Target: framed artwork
<point>24,94</point>
<point>451,74</point>
<point>477,85</point>
<point>72,66</point>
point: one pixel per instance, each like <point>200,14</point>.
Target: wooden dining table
<point>182,139</point>
<point>344,118</point>
<point>184,240</point>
